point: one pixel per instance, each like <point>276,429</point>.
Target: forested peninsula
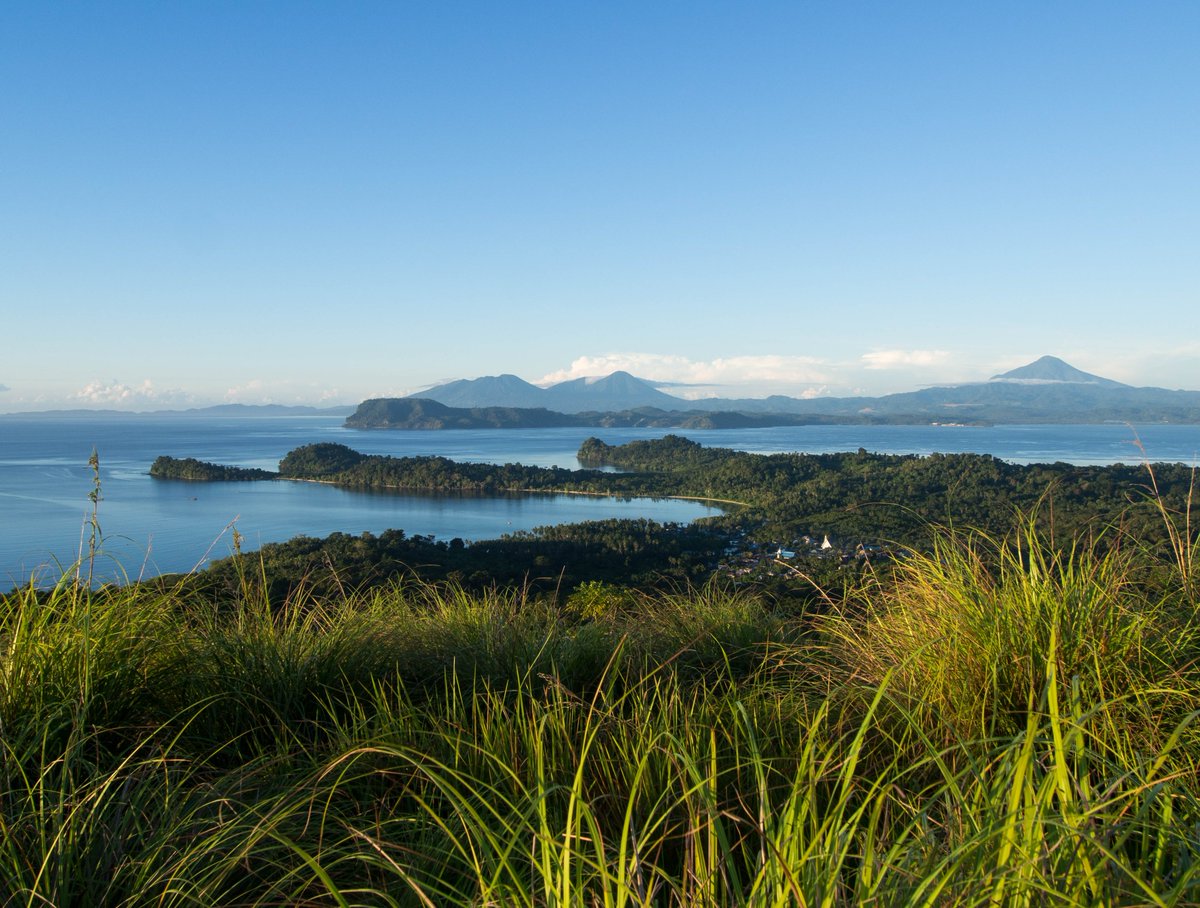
<point>872,496</point>
<point>876,504</point>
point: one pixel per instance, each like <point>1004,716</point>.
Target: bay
<point>153,526</point>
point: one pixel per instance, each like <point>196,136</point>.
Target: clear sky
<point>298,202</point>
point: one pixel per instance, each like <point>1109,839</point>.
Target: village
<point>747,560</point>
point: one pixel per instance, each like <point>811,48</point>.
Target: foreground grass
<point>998,724</point>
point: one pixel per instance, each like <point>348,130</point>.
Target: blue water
<point>1081,444</point>
<point>152,526</point>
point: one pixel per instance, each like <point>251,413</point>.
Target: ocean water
<point>154,526</point>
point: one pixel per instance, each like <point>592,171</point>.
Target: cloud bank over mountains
<point>765,374</point>
<point>694,379</point>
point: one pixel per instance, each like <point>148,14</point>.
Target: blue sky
<point>322,202</point>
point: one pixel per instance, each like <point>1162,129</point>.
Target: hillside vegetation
<point>869,496</point>
<point>1000,720</point>
<point>990,717</point>
<point>857,498</point>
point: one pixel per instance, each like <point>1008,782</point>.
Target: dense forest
<point>897,497</point>
<point>419,413</point>
<point>860,495</point>
<point>190,468</point>
<point>873,497</point>
<point>548,560</point>
<point>858,499</point>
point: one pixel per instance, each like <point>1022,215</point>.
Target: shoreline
<point>346,485</point>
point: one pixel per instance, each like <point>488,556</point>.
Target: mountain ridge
<point>1045,390</point>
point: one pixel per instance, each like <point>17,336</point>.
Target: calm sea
<point>153,526</point>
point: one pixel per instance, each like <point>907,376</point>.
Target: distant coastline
<point>1047,390</point>
<point>423,414</point>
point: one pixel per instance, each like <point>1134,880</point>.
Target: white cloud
<point>650,366</point>
<point>118,394</point>
<point>904,359</point>
<point>771,373</point>
<point>872,373</point>
<point>1176,366</point>
<point>239,393</point>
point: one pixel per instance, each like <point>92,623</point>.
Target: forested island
<point>189,468</point>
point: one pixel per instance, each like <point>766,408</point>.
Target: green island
<point>874,680</point>
<point>189,468</point>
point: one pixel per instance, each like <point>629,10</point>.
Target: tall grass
<point>79,657</point>
<point>1182,538</point>
<point>969,634</point>
<point>1000,723</point>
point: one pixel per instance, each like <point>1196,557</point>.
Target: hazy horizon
<point>687,393</point>
<point>319,204</point>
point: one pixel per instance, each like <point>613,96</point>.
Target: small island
<point>193,470</point>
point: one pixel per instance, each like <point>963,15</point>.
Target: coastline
<point>346,485</point>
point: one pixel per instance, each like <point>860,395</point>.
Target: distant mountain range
<point>1047,390</point>
<point>618,391</point>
